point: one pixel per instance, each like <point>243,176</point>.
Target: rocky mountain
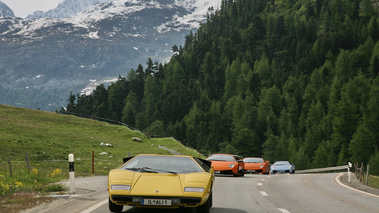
<point>43,60</point>
<point>66,9</point>
<point>5,10</point>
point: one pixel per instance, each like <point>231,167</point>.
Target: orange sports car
<point>227,164</point>
<point>256,165</point>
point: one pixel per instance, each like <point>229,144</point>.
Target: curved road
<point>297,193</point>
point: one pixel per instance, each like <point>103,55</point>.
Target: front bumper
<point>281,171</point>
<point>225,172</point>
<point>176,202</point>
<point>254,171</point>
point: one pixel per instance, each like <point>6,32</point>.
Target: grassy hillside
<point>48,138</point>
<point>51,136</point>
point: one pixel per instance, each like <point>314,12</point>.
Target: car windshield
<point>253,160</point>
<point>221,158</point>
<point>281,163</point>
<point>162,164</point>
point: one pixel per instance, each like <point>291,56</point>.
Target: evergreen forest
<point>289,80</point>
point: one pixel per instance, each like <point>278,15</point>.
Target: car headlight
<point>120,187</point>
<point>289,167</point>
<point>231,165</point>
<point>272,167</point>
<point>261,166</point>
<point>194,189</point>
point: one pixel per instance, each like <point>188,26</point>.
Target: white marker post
<point>348,171</point>
<point>72,173</point>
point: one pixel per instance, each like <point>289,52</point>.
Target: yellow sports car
<point>161,181</point>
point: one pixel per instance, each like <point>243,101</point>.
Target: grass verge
<point>373,181</point>
<point>46,139</point>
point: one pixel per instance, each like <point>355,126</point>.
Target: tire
<point>114,207</point>
<point>243,172</point>
<point>266,172</point>
<point>211,201</point>
<point>205,208</point>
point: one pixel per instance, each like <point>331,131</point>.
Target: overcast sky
<point>22,8</point>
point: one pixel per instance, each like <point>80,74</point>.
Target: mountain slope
<point>66,9</point>
<point>295,80</point>
<point>5,10</point>
<point>43,60</point>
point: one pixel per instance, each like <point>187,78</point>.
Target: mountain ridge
<point>5,10</point>
<point>104,41</point>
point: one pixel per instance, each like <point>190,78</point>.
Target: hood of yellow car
<point>157,184</point>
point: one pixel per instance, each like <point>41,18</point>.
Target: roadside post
<point>93,162</point>
<point>367,174</point>
<point>72,173</point>
<point>10,167</point>
<point>348,171</point>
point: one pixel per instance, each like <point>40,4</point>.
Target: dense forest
<point>284,79</point>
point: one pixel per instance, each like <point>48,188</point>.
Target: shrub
<point>374,163</point>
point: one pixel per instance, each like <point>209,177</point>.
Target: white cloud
<point>23,8</point>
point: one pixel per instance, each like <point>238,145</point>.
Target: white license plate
<point>156,202</point>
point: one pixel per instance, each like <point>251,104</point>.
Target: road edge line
<point>94,207</point>
<point>351,188</point>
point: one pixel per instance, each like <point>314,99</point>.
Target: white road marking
<point>94,207</point>
<point>339,182</point>
<point>284,210</point>
<point>259,184</point>
<point>263,193</point>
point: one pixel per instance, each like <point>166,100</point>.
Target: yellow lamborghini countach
<point>162,181</point>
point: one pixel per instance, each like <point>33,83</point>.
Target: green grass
<point>48,138</point>
<point>373,181</point>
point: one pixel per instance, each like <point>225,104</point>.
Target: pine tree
<point>130,110</point>
<point>100,101</point>
<point>362,145</point>
<point>245,142</point>
<point>71,103</point>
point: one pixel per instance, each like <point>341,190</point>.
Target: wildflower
<point>56,172</point>
<point>35,171</point>
<point>19,184</point>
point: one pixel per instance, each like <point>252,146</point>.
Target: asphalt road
<point>296,193</point>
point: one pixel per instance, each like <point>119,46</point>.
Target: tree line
<point>287,80</point>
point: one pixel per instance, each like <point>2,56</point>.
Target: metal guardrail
<point>328,169</point>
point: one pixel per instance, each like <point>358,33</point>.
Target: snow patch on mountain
<point>196,11</point>
<point>66,9</point>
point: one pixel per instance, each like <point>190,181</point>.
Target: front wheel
<point>243,172</point>
<point>205,208</point>
<point>114,207</point>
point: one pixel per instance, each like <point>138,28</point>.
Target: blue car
<point>282,167</point>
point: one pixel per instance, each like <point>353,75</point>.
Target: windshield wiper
<point>143,169</point>
<point>175,173</point>
<point>165,171</point>
<point>151,170</point>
